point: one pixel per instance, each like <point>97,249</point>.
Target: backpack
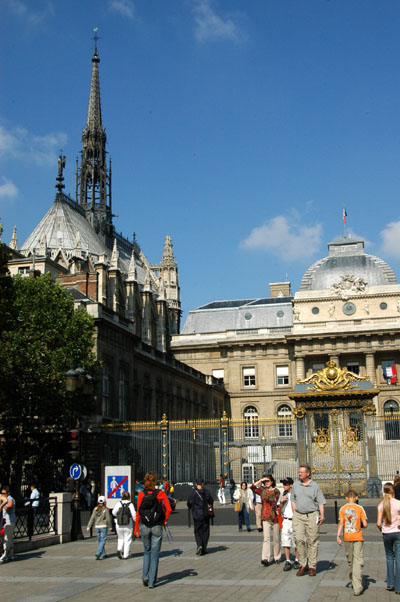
<point>124,515</point>
<point>151,511</point>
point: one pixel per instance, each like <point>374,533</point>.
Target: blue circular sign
<point>75,471</point>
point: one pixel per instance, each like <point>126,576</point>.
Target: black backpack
<point>151,512</point>
<point>124,515</point>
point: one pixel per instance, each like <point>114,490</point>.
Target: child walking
<point>351,518</point>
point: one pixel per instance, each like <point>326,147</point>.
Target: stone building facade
<point>346,310</point>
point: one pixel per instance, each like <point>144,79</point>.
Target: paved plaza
<point>230,571</point>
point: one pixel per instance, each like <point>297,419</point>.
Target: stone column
<point>370,367</point>
<point>300,370</point>
<point>63,515</point>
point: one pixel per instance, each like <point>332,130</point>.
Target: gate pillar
<point>164,447</point>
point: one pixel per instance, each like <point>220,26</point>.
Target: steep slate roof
<point>239,314</point>
<point>60,227</point>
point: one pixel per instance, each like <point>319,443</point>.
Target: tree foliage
<point>43,338</point>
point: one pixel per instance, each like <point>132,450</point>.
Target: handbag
<point>236,507</point>
<point>208,510</point>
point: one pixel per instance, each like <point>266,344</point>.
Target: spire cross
<point>95,38</point>
<point>60,176</point>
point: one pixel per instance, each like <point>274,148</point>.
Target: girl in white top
<point>124,532</point>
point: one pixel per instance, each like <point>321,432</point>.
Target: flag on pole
<point>344,214</point>
<point>390,374</point>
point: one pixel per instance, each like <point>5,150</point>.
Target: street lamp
<point>77,380</point>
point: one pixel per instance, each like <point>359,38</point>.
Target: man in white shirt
<point>33,501</point>
<point>287,536</point>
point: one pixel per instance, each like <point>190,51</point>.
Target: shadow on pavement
<point>325,565</point>
<point>176,576</point>
<point>216,549</point>
<point>28,555</point>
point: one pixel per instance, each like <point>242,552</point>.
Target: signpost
<point>78,472</point>
<point>116,480</point>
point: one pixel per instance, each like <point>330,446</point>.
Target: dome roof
<point>347,256</point>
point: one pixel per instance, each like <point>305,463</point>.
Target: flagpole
<point>344,215</point>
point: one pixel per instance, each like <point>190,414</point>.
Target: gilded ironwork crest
<point>332,377</point>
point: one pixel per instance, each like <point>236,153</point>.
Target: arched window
<point>285,426</point>
<point>250,415</point>
<point>392,422</point>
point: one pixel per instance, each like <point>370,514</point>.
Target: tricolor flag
<point>344,214</point>
<point>390,374</point>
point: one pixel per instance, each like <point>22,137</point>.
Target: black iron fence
<point>38,520</point>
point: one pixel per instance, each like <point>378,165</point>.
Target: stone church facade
<point>135,304</point>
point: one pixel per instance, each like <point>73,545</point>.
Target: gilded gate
<point>334,407</point>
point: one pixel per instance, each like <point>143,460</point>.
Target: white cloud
<point>391,239</point>
<point>8,189</point>
<point>30,16</point>
<point>210,26</point>
<point>19,143</point>
<point>125,8</point>
<point>288,240</point>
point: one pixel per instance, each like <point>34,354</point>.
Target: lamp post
<point>77,380</point>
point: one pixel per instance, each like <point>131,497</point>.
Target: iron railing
<point>36,521</point>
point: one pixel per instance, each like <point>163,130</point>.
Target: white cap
<point>101,499</point>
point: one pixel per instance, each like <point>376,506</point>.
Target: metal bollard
<point>336,513</point>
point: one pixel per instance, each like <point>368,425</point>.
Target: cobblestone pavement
<point>230,571</point>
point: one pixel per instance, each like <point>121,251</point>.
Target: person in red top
<point>152,512</point>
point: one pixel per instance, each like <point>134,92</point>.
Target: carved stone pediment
<point>348,285</point>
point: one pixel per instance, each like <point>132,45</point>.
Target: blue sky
<point>237,127</point>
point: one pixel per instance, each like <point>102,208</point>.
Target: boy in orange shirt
<point>351,518</point>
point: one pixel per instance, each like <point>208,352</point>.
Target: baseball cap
<point>199,481</point>
<point>101,499</point>
<point>287,481</point>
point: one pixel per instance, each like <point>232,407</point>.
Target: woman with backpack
<point>101,520</point>
<point>125,515</point>
<point>152,512</point>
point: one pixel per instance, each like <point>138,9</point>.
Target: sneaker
<point>296,564</point>
<point>288,566</point>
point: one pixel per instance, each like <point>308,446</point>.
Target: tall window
<point>106,390</point>
<point>282,375</point>
<point>317,367</point>
<point>250,415</point>
<point>122,393</point>
<point>392,422</point>
<point>285,428</point>
<point>249,377</point>
<point>353,367</point>
<point>218,374</point>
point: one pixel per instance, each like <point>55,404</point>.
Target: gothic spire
<point>168,259</point>
<point>13,242</point>
<point>93,121</point>
<point>94,177</point>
